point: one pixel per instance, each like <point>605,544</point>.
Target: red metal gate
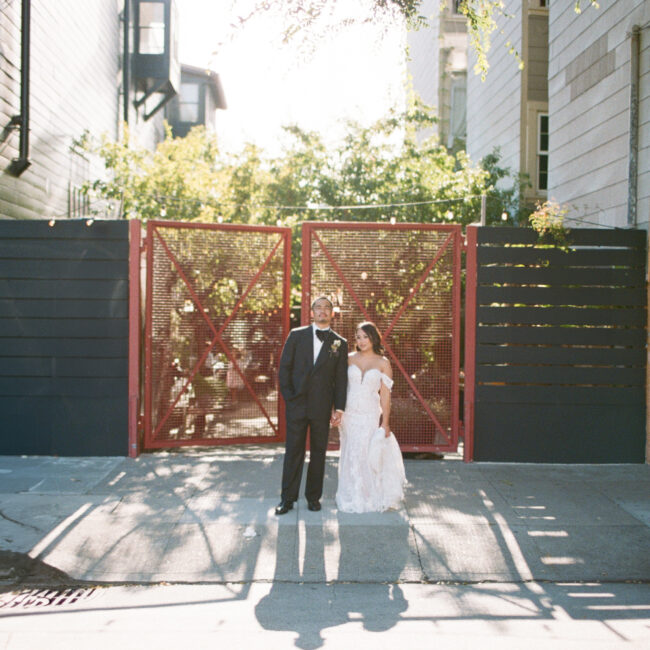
<point>406,279</point>
<point>217,313</point>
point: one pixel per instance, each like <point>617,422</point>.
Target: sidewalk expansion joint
<point>425,578</point>
<point>98,584</point>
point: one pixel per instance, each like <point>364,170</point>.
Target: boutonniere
<point>334,348</point>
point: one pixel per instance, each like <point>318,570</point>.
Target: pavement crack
<point>19,523</point>
<point>423,573</point>
<point>117,505</point>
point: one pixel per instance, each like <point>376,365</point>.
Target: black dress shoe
<point>283,507</point>
<point>314,506</point>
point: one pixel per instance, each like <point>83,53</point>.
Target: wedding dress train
<point>371,469</point>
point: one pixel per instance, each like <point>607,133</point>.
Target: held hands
<point>335,420</point>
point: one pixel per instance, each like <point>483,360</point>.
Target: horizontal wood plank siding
<point>561,346</point>
<point>64,337</point>
<point>494,106</point>
<point>75,53</point>
<point>589,105</point>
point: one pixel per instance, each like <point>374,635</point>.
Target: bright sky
<point>355,74</point>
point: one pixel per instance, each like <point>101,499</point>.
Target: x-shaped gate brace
<point>217,333</point>
<point>396,318</point>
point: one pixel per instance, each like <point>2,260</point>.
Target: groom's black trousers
<point>294,457</point>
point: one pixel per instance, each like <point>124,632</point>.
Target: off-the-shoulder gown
<point>371,469</point>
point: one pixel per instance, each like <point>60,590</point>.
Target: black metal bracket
<point>168,95</point>
<point>154,89</point>
<point>11,126</point>
<point>163,87</point>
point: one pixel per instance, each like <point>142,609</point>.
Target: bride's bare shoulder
<point>353,355</point>
<point>385,367</point>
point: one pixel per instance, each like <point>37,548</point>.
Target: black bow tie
<point>322,334</point>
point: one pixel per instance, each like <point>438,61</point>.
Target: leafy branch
<point>314,19</point>
<point>548,220</point>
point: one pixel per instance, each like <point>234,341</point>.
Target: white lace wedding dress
<point>371,469</point>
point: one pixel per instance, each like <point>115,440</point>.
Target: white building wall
<point>423,61</point>
<point>589,109</point>
<point>643,176</point>
<point>75,86</point>
<point>75,55</point>
<point>494,105</point>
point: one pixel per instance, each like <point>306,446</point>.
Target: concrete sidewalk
<point>206,516</point>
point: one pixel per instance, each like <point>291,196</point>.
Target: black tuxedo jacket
<point>311,389</point>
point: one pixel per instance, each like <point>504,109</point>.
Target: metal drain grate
<point>35,598</point>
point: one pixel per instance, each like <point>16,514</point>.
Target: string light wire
<point>165,200</point>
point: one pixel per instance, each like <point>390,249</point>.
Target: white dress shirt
<point>318,344</point>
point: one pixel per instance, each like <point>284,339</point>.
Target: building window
<point>457,113</point>
<point>542,152</point>
<point>455,6</point>
<point>189,103</point>
<point>152,28</point>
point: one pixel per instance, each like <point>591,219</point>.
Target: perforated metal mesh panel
<point>217,314</point>
<point>406,279</point>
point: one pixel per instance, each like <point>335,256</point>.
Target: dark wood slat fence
<point>560,347</point>
<point>560,343</point>
<point>64,337</point>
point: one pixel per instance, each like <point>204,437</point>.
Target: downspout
<point>635,47</point>
<point>126,60</point>
<point>632,192</point>
<point>20,164</point>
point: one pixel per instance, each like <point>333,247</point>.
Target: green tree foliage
<point>383,172</point>
<point>179,180</point>
<point>380,172</point>
<point>505,204</point>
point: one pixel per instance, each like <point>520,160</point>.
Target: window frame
<point>160,28</point>
<point>541,153</point>
<point>458,88</point>
<point>198,103</point>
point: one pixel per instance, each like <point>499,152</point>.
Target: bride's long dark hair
<point>373,334</point>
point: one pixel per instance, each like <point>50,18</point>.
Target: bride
<point>371,470</point>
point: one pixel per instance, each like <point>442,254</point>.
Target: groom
<point>313,378</point>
